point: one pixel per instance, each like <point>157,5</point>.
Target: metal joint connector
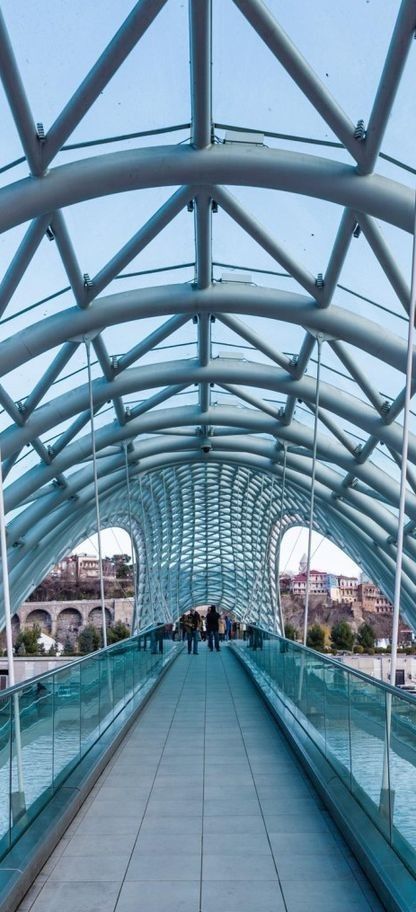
<point>360,131</point>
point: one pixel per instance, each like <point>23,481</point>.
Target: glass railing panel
<point>32,752</point>
<point>105,664</point>
<point>5,756</point>
<point>48,724</point>
<point>312,702</point>
<point>294,677</point>
<point>275,660</point>
<point>337,720</point>
<point>143,660</point>
<point>402,767</point>
<point>157,646</point>
<point>368,749</point>
<point>118,673</point>
<point>366,730</point>
<point>267,655</point>
<point>90,702</point>
<point>66,721</point>
<point>256,645</point>
<point>129,652</point>
<point>289,670</point>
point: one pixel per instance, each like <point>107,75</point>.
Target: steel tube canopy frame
<point>213,482</point>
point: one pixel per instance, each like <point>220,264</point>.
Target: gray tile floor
<point>203,809</point>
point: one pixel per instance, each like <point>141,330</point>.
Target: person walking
<point>212,622</point>
<point>182,627</point>
<point>192,623</point>
<point>221,629</point>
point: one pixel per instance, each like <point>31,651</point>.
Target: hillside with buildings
<point>77,577</point>
<point>68,598</point>
<point>333,598</point>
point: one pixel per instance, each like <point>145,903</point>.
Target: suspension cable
<point>405,448</point>
<point>268,545</point>
<point>9,647</point>
<point>97,502</point>
<point>146,550</point>
<point>158,583</point>
<point>254,554</point>
<point>282,503</point>
<point>312,504</point>
<point>169,526</point>
<point>133,554</point>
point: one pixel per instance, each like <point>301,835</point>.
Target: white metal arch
<point>206,477</point>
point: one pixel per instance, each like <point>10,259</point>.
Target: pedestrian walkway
<point>203,809</point>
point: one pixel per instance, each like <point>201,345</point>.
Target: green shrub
<point>27,642</point>
<point>89,640</point>
<point>342,636</point>
<point>366,637</point>
<point>117,632</point>
<point>316,637</point>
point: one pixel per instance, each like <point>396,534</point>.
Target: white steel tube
<point>266,561</point>
<point>405,447</point>
<point>253,590</point>
<point>6,591</point>
<point>282,503</point>
<point>97,502</point>
<point>9,638</point>
<point>133,561</point>
<point>312,505</point>
<point>149,572</point>
<point>386,797</point>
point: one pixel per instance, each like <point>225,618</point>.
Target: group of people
<point>215,628</point>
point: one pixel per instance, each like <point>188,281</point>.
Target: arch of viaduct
<point>65,619</point>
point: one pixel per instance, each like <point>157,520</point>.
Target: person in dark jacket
<point>192,622</point>
<point>211,621</point>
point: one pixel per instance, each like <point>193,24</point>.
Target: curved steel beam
<point>334,322</point>
<point>189,371</point>
<point>167,166</point>
<point>295,434</point>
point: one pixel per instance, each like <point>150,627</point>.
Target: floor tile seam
<point>155,695</point>
<point>203,787</point>
<point>136,727</point>
<point>348,856</point>
<point>135,841</point>
<point>343,848</point>
<point>255,787</point>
